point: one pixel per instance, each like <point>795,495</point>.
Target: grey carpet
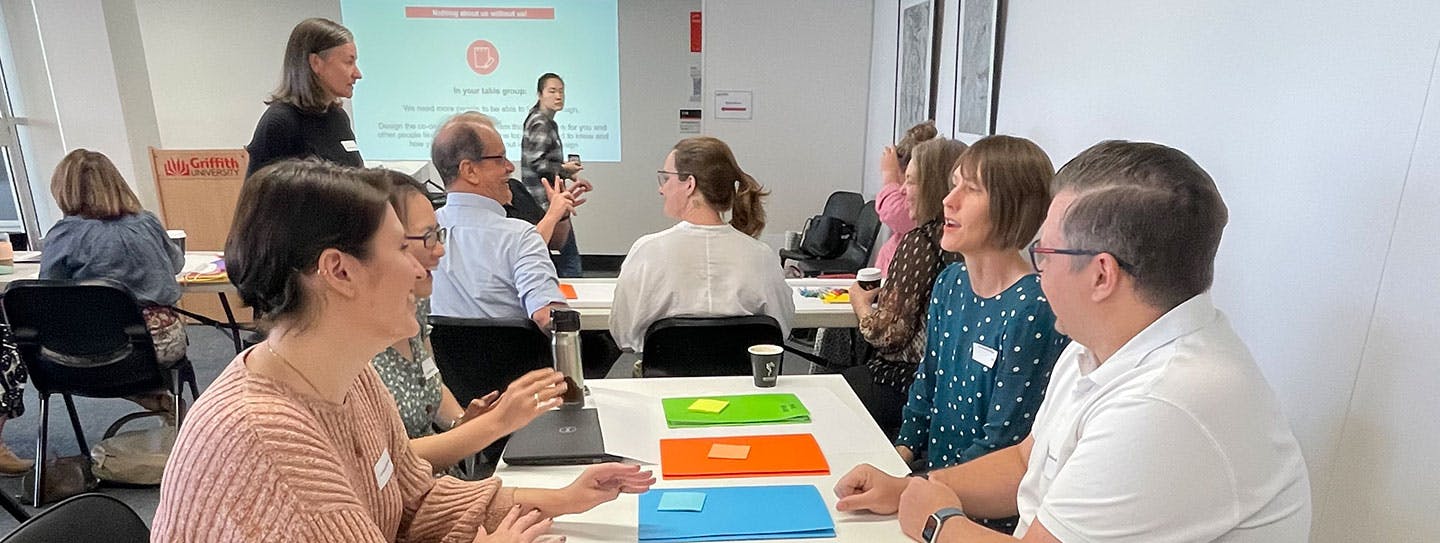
<point>210,350</point>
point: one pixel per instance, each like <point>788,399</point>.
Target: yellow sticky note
<point>729,452</point>
<point>706,405</point>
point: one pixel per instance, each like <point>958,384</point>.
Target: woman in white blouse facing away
<point>703,266</point>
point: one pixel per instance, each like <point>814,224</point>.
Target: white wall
<point>208,79</point>
<point>212,64</point>
<point>806,62</point>
<point>1385,485</point>
<point>1307,119</point>
<point>880,105</point>
<point>68,91</point>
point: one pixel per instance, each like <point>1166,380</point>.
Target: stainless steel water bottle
<point>565,347</point>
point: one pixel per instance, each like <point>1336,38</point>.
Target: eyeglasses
<point>500,156</point>
<point>1036,248</point>
<point>432,237</point>
<point>662,176</point>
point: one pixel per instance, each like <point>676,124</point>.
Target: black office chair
<point>842,205</point>
<point>705,346</point>
<point>479,356</point>
<point>86,517</point>
<point>857,252</point>
<point>85,338</point>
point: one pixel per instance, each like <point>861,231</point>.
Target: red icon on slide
<point>483,57</point>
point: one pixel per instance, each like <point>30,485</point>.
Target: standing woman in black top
<point>305,118</point>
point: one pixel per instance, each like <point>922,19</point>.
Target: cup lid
<point>766,349</point>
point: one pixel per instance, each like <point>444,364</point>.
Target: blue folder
<point>738,513</point>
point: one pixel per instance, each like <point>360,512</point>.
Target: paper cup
<point>765,361</point>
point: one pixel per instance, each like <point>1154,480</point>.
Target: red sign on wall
<point>694,32</point>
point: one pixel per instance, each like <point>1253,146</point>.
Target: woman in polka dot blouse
<point>991,339</point>
<point>408,369</point>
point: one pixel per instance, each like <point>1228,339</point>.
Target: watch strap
<point>940,517</point>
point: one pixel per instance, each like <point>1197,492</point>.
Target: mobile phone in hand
<point>573,158</point>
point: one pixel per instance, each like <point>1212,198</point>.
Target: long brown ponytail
<point>721,182</point>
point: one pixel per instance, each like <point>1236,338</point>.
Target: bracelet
<point>455,422</point>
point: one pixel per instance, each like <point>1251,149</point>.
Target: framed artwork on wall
<point>914,65</point>
<point>976,68</point>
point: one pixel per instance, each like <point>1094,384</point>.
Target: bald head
<point>461,138</point>
<point>470,157</point>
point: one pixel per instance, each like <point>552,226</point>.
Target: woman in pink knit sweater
<point>298,440</point>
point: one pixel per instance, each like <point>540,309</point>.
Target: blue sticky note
<point>746,513</point>
<point>682,501</point>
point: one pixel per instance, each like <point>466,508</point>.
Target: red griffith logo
<point>177,167</point>
<point>483,57</point>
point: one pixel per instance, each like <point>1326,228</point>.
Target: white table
<point>595,296</point>
<point>194,261</point>
<point>633,423</point>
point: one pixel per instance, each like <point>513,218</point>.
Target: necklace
<point>292,367</point>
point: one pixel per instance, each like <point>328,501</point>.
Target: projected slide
<point>423,62</point>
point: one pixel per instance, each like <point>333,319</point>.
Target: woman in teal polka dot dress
<point>991,339</point>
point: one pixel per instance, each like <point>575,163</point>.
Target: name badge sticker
<point>384,468</point>
<point>984,355</point>
<point>350,146</point>
<point>429,367</point>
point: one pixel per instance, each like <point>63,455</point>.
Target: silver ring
<point>537,398</point>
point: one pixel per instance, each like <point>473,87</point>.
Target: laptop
<point>559,437</point>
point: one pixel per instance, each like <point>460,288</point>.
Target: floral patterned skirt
<point>168,332</point>
<point>12,377</point>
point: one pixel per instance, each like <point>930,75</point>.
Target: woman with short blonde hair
<point>106,234</point>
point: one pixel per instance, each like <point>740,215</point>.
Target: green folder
<point>742,409</point>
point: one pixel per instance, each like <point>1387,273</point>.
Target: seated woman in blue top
<point>991,339</point>
<point>107,235</point>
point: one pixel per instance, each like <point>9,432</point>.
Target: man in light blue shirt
<point>493,267</point>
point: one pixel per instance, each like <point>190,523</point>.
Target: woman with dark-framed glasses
<point>705,265</point>
<point>442,431</point>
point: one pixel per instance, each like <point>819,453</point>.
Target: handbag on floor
<point>65,476</point>
<point>136,457</point>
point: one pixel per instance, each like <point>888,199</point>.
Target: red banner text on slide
<point>427,12</point>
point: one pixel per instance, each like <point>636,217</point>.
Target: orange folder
<point>788,454</point>
<point>568,291</point>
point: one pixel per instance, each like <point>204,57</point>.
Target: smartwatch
<point>936,520</point>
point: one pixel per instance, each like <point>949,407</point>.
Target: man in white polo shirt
<point>1157,423</point>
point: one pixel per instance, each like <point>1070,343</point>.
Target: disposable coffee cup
<point>177,237</point>
<point>765,362</point>
<point>869,278</point>
<point>792,240</point>
<point>7,257</point>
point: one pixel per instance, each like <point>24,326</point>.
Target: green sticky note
<point>707,405</point>
<point>682,501</point>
